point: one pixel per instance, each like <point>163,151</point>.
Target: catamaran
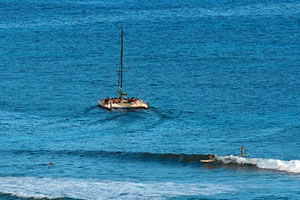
<point>122,102</point>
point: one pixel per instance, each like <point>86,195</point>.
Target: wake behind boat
<point>121,102</point>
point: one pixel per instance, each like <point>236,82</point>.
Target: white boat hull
<point>123,105</point>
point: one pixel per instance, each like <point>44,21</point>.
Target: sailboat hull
<point>123,105</point>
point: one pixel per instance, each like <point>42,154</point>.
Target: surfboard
<point>208,161</point>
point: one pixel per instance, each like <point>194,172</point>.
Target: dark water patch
<point>271,197</point>
<point>187,197</point>
<point>164,113</point>
<point>116,154</point>
<point>101,121</point>
<point>90,109</point>
<point>117,115</point>
<point>102,116</point>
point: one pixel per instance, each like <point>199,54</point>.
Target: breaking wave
<point>292,166</point>
<point>62,188</point>
<point>232,162</point>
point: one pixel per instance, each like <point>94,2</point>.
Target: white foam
<point>100,189</point>
<point>292,166</point>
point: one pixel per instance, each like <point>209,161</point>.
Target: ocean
<point>217,75</point>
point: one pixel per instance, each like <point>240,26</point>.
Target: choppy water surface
<point>217,75</point>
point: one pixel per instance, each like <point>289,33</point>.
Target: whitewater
<point>291,166</point>
<point>103,189</point>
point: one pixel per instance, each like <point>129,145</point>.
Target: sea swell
<point>114,154</point>
<point>232,162</point>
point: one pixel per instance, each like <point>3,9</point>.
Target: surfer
<point>209,160</point>
<point>243,150</point>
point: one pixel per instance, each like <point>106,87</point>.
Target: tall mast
<point>122,57</point>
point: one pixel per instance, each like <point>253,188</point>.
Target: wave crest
<point>292,166</point>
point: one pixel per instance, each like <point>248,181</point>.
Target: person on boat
<point>106,100</point>
<point>210,157</point>
<point>50,163</point>
<point>137,101</point>
<point>243,150</point>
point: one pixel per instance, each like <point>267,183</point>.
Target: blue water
<point>217,75</point>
